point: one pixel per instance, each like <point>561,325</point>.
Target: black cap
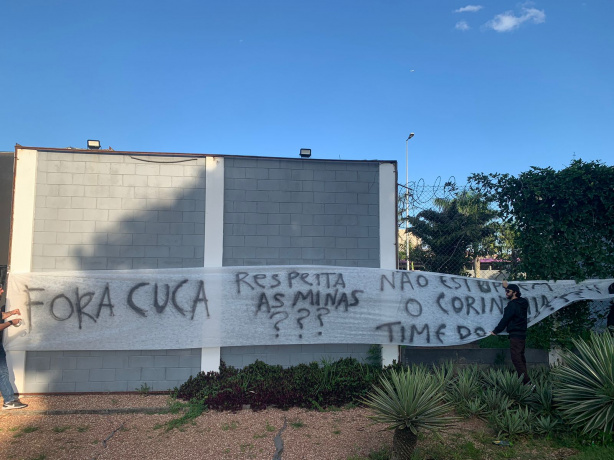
<point>513,287</point>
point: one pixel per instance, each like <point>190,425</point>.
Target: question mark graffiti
<point>278,321</point>
<point>301,318</point>
<point>319,316</point>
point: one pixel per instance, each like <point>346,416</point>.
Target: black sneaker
<point>15,404</point>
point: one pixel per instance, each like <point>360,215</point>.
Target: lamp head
<point>93,144</point>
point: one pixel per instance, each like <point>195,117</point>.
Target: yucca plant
<point>545,424</point>
<point>510,384</point>
<point>512,423</point>
<point>464,388</point>
<point>541,401</point>
<point>444,372</point>
<point>475,408</point>
<point>408,401</point>
<point>584,385</point>
<point>540,375</point>
<point>495,400</point>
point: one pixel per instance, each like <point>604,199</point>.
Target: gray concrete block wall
<point>107,211</point>
<point>112,211</point>
<point>102,371</point>
<point>98,211</point>
<point>291,355</point>
<point>299,212</point>
<point>311,212</point>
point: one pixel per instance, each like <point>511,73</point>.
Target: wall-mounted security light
<point>305,153</point>
<point>91,144</point>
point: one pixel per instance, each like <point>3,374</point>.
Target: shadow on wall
<point>111,212</point>
<point>6,199</point>
<point>108,212</point>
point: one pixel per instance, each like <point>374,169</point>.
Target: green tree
<point>455,233</point>
<point>563,226</point>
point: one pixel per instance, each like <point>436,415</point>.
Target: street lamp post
<point>407,200</point>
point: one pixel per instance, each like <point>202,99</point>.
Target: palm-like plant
<point>408,401</point>
<point>584,385</point>
<point>458,228</point>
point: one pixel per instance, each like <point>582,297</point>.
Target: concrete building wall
<point>96,210</point>
<point>6,194</point>
<point>111,212</point>
<point>289,212</point>
<point>102,211</point>
<point>299,212</point>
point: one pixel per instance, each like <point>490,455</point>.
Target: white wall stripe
<point>22,236</point>
<point>388,235</point>
<point>214,240</point>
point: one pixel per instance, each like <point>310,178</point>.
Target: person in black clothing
<point>515,322</point>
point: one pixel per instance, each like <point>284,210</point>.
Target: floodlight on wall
<point>305,153</point>
<point>92,144</point>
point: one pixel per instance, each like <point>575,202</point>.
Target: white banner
<point>267,305</point>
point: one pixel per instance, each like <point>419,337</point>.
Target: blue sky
<point>492,86</point>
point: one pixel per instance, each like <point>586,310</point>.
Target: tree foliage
<point>564,220</point>
<point>453,234</point>
<point>563,226</point>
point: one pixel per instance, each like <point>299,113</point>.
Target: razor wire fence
<point>449,228</point>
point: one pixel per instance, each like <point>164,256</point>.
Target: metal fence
<point>447,228</point>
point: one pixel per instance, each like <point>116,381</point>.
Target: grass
<point>83,429</point>
<point>230,426</point>
<point>191,411</point>
<point>144,389</point>
<point>60,429</point>
<point>595,453</point>
<point>382,454</point>
<point>24,430</point>
<point>478,445</point>
<point>270,428</point>
<point>297,424</point>
<point>246,447</point>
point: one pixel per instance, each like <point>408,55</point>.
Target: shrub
<point>464,388</point>
<point>508,383</point>
<point>495,401</point>
<point>261,385</point>
<point>408,401</point>
<point>546,424</point>
<point>444,373</point>
<point>512,423</point>
<point>541,401</point>
<point>584,385</point>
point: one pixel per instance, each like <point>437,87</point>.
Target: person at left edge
<point>10,401</point>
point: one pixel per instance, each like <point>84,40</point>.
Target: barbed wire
<point>418,196</point>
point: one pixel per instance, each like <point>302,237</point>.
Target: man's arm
<point>6,324</point>
<point>10,313</point>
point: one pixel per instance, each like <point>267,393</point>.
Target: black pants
<point>517,346</point>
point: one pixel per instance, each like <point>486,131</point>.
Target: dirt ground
<point>134,426</point>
